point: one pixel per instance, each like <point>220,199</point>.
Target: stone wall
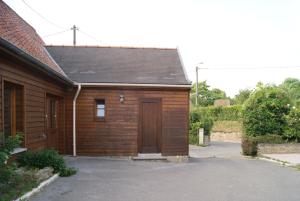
<point>287,148</point>
<point>226,136</point>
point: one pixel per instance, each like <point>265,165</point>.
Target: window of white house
<point>100,109</point>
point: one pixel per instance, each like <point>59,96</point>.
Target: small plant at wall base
<point>45,158</point>
<point>9,144</point>
<point>249,145</point>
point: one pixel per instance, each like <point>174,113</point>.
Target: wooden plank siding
<point>35,85</point>
<point>1,112</point>
<point>118,133</point>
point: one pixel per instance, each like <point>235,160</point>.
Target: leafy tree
<point>242,96</point>
<point>292,130</point>
<point>292,87</point>
<point>206,95</point>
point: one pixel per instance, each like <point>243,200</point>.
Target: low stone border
<point>38,189</point>
<point>286,148</point>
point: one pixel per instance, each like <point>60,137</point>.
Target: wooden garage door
<point>150,126</point>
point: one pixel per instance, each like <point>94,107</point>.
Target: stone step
<point>150,156</point>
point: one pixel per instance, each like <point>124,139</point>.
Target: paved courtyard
<point>216,173</point>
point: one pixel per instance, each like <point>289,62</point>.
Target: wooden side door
<point>52,130</point>
<point>150,126</point>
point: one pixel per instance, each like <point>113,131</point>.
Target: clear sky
<point>219,33</point>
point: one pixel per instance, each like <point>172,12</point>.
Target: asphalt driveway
<point>208,176</point>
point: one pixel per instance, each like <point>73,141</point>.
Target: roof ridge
<point>124,47</point>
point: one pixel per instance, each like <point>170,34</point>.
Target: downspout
<point>74,118</point>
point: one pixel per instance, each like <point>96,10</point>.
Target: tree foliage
<point>292,87</point>
<point>264,112</point>
<point>242,96</point>
<point>206,96</point>
<point>292,130</point>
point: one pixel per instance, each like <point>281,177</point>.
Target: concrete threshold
<point>150,156</point>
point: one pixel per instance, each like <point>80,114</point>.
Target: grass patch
<point>227,126</point>
<point>298,167</point>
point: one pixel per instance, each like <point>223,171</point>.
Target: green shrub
<point>10,143</point>
<point>227,126</point>
<point>44,158</point>
<point>66,172</point>
<point>205,123</point>
<point>3,158</point>
<point>292,129</point>
<point>225,113</point>
<point>264,111</point>
<point>199,121</point>
<point>193,139</point>
<point>194,127</point>
<point>6,174</point>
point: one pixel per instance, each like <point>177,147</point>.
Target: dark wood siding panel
<point>36,85</point>
<point>61,125</point>
<point>69,121</point>
<point>175,124</point>
<point>117,135</point>
<point>1,111</point>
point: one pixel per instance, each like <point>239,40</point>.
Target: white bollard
<point>201,136</point>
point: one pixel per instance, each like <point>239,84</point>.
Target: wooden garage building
<point>90,100</point>
<point>131,99</point>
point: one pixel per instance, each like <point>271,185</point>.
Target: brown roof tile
<point>19,33</point>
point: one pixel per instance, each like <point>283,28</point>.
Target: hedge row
<point>227,113</point>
